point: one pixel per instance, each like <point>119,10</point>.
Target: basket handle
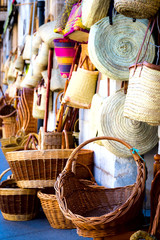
<point>65,140</point>
<point>4,172</point>
<point>68,166</point>
<point>86,167</point>
<point>34,140</point>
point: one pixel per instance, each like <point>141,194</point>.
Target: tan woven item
<point>95,210</point>
<point>142,100</point>
<point>17,204</point>
<point>19,63</point>
<point>120,43</point>
<point>93,11</point>
<point>113,123</point>
<point>27,48</point>
<point>42,58</point>
<point>137,8</point>
<point>36,111</point>
<point>52,210</point>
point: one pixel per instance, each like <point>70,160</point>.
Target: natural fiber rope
<point>113,48</point>
<point>112,123</point>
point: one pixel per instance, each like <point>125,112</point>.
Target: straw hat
<point>112,123</point>
<point>113,48</point>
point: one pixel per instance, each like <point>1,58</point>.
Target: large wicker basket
<point>98,211</point>
<point>17,204</point>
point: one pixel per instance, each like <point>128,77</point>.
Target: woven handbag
<point>105,211</point>
<point>36,111</point>
<point>120,43</point>
<point>42,58</point>
<point>74,28</point>
<point>137,8</point>
<point>93,11</point>
<point>19,64</point>
<point>12,72</point>
<point>81,88</point>
<point>17,204</point>
<point>112,123</point>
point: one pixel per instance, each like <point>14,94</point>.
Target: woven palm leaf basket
<point>137,8</point>
<point>97,211</point>
<point>17,204</point>
<point>113,48</point>
<point>112,123</point>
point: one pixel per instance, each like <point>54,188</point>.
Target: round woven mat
<point>113,48</point>
<point>112,123</point>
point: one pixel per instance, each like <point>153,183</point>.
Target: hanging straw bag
<point>12,72</point>
<point>113,123</point>
<point>93,11</point>
<point>74,28</point>
<point>17,204</point>
<point>81,88</point>
<point>137,8</point>
<point>36,111</point>
<point>120,43</point>
<point>19,64</point>
<point>42,58</point>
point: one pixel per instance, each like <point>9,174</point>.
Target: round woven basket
<point>113,123</point>
<point>143,95</point>
<point>137,8</point>
<point>113,48</point>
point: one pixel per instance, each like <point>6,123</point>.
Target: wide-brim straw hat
<point>112,123</point>
<point>113,48</point>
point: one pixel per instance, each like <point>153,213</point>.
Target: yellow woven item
<point>143,95</point>
<point>137,8</point>
<point>81,88</point>
<point>113,48</point>
<point>112,123</point>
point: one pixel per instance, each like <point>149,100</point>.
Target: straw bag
<point>42,58</point>
<point>120,43</point>
<point>36,111</point>
<point>17,204</point>
<point>93,11</point>
<point>138,8</point>
<point>12,72</point>
<point>47,34</point>
<point>113,123</point>
<point>52,210</point>
<point>74,28</point>
<point>19,64</point>
<point>65,52</point>
<point>19,80</point>
<point>27,48</point>
<point>105,211</point>
<point>81,88</point>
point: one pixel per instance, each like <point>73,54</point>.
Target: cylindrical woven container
<point>93,11</point>
<point>137,8</point>
<point>52,210</point>
<point>17,204</point>
<point>81,88</point>
<point>143,95</point>
<point>112,123</point>
<point>38,169</point>
<point>65,52</point>
<point>121,42</point>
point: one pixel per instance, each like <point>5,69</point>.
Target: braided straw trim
<point>143,95</point>
<point>137,8</point>
<point>113,48</point>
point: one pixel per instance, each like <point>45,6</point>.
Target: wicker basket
<point>137,8</point>
<point>104,211</point>
<point>17,204</point>
<point>52,210</point>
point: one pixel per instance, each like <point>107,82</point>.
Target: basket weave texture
<point>143,95</point>
<point>98,211</point>
<point>120,43</point>
<point>52,210</point>
<point>137,8</point>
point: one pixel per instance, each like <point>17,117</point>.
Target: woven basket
<point>93,11</point>
<point>120,43</point>
<point>142,100</point>
<point>27,48</point>
<point>104,211</point>
<point>42,58</point>
<point>19,80</point>
<point>36,111</point>
<point>52,210</point>
<point>19,63</point>
<point>137,8</point>
<point>113,123</point>
<point>17,204</point>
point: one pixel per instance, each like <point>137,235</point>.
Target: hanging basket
<point>113,123</point>
<point>143,95</point>
<point>137,8</point>
<point>104,211</point>
<point>120,43</point>
<point>65,52</point>
<point>17,204</point>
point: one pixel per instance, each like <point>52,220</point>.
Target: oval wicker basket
<point>17,204</point>
<point>137,8</point>
<point>104,211</point>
